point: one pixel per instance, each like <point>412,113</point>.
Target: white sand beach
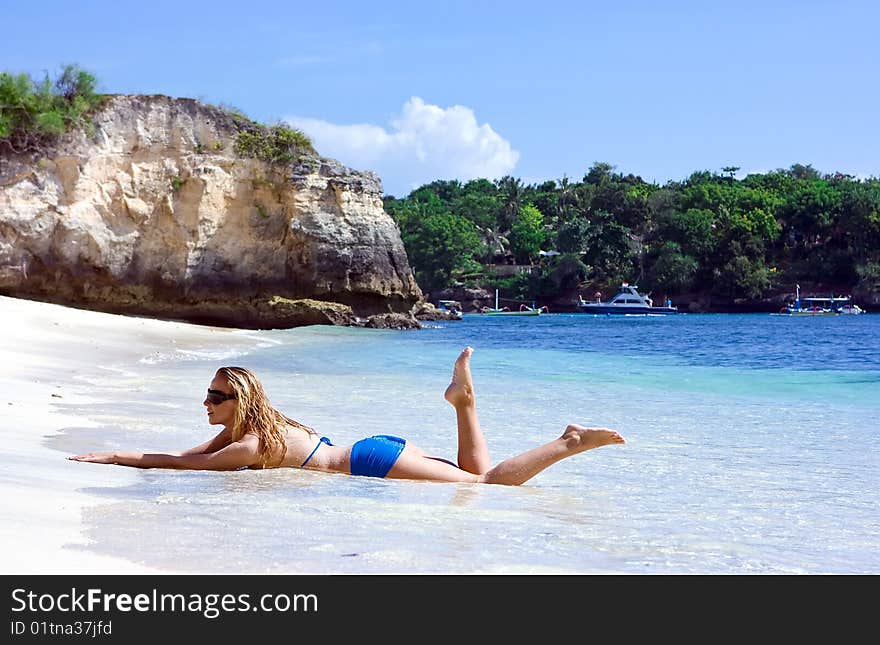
<point>47,355</point>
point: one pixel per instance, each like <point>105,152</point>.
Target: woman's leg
<point>575,439</point>
<point>414,464</point>
<point>473,452</point>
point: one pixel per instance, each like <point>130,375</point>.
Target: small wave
<point>260,339</point>
<point>215,354</point>
<point>118,370</point>
<point>179,355</point>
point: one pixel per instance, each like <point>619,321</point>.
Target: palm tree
<point>565,194</point>
<point>568,202</point>
<point>511,190</point>
<point>496,243</point>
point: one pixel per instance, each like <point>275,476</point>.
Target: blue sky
<point>538,90</point>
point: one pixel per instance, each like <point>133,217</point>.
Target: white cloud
<point>425,142</point>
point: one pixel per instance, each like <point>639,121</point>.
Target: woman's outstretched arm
<point>244,452</point>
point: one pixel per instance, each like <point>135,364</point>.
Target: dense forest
<point>712,237</point>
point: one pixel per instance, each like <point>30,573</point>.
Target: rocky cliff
<point>154,213</point>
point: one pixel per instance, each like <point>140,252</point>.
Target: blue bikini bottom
<point>374,456</point>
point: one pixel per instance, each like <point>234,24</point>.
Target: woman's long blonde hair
<point>254,414</point>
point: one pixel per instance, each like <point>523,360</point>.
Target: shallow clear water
<point>752,448</point>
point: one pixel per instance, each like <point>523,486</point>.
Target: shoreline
<point>50,354</point>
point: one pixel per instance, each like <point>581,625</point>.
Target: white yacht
<point>627,301</point>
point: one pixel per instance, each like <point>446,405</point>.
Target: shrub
<point>276,144</point>
<point>34,114</point>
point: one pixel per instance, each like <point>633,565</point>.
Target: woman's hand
<point>96,457</point>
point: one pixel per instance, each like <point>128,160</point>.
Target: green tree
<point>810,209</point>
<point>527,234</point>
<point>74,82</point>
<point>510,193</point>
<point>600,173</point>
<point>440,248</point>
<point>494,244</point>
<point>573,236</point>
<point>800,171</point>
<point>522,286</point>
<point>566,198</point>
<point>609,249</point>
<point>563,276</point>
<point>672,270</point>
<point>694,230</point>
<point>868,278</point>
<point>860,220</point>
<point>446,190</point>
<point>479,207</point>
<point>544,197</point>
<point>742,276</point>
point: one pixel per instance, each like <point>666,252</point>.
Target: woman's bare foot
<point>580,438</point>
<point>461,390</point>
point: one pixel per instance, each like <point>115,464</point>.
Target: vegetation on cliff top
<point>33,114</point>
<point>274,144</point>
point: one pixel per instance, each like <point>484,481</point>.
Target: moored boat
<point>627,301</point>
<point>524,310</point>
<point>850,309</point>
<point>820,306</point>
<point>452,307</point>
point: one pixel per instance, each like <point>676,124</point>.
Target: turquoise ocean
<point>753,447</point>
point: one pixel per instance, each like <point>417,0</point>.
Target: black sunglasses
<point>215,397</point>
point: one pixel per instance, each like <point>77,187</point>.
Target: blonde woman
<point>256,435</point>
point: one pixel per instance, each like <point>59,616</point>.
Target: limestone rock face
<point>155,214</point>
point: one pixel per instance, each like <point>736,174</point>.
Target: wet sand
<point>49,356</point>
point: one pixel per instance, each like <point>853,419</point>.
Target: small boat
<point>451,307</point>
<point>850,309</point>
<point>627,301</point>
<point>524,310</point>
<point>819,306</point>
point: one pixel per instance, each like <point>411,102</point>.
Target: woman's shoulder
<point>250,439</point>
<point>297,431</point>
